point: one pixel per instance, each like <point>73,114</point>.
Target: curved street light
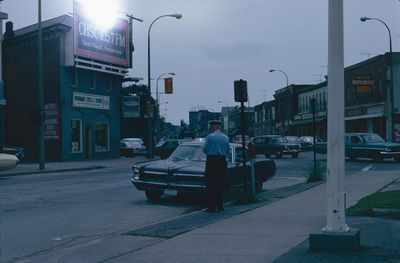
<point>389,99</point>
<point>158,103</point>
<point>177,16</point>
<point>287,79</point>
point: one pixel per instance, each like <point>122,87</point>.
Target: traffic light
<point>240,88</point>
<point>149,107</point>
<point>168,87</point>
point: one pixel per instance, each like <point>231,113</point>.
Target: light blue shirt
<point>216,143</point>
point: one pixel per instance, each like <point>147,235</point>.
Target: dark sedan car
<point>184,170</point>
<point>275,145</point>
<point>165,148</point>
<point>366,145</point>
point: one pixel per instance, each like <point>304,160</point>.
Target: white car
<point>8,161</point>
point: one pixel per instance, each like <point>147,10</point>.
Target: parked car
<point>307,142</point>
<point>133,140</point>
<point>366,145</point>
<point>184,170</point>
<point>130,148</point>
<point>8,161</point>
<point>276,145</point>
<point>238,139</point>
<point>19,152</point>
<point>165,148</point>
<point>294,139</point>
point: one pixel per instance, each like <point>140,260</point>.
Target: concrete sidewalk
<point>263,234</point>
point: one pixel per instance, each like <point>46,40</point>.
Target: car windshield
<point>372,138</point>
<point>188,152</point>
<point>278,140</point>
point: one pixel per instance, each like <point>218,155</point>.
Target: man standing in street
<point>216,147</point>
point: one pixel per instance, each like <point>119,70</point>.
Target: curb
<point>386,212</point>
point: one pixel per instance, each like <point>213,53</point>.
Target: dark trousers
<point>216,168</point>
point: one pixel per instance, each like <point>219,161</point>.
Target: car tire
<point>153,196</point>
<point>295,155</point>
<point>278,155</point>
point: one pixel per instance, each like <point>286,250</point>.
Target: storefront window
<point>102,138</point>
<point>76,136</point>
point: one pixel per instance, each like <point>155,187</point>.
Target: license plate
<point>170,192</point>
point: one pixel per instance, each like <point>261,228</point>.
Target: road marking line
<point>366,169</point>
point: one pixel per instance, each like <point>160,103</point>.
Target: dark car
<point>307,142</point>
<point>276,145</point>
<point>184,170</point>
<point>165,148</point>
<point>295,140</point>
<point>366,145</point>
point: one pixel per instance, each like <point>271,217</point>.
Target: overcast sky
<point>219,41</point>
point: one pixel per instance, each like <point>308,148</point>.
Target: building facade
<point>81,87</point>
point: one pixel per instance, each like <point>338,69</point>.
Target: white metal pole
<point>335,169</point>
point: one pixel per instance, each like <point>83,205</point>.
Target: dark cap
<point>214,122</point>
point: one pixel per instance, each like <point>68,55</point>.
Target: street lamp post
<point>40,90</point>
<point>158,105</point>
<point>283,72</point>
<point>177,16</point>
<point>389,97</point>
<point>3,16</point>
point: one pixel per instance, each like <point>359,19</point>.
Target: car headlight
<point>387,149</point>
<point>136,172</point>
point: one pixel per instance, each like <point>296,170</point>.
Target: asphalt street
<point>49,214</point>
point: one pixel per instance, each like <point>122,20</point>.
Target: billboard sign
<point>91,41</point>
<point>131,106</point>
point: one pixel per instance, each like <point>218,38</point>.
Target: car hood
<point>194,167</point>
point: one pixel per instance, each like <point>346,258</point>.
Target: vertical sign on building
<point>51,121</point>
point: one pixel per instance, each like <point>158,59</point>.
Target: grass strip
<point>364,207</point>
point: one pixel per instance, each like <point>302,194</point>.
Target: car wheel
<point>295,155</point>
<point>278,155</point>
<point>153,196</point>
<point>377,157</point>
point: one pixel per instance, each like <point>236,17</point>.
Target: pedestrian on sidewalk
<point>216,147</point>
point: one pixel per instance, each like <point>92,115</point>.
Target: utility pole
<point>42,153</point>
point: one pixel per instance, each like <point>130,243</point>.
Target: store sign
<point>364,84</point>
<point>51,121</point>
<point>131,106</point>
<point>92,41</point>
<point>90,101</point>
